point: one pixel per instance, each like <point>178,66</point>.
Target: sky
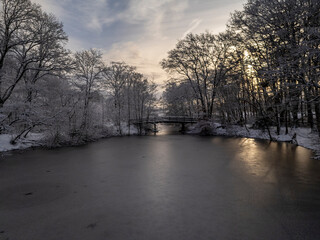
<point>138,32</point>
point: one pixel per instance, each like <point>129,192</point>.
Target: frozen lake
<point>161,187</point>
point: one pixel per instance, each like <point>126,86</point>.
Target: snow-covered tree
<point>201,59</point>
<point>88,66</point>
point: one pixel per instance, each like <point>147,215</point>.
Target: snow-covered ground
<point>301,136</point>
<point>32,140</point>
<point>304,136</point>
<point>39,139</point>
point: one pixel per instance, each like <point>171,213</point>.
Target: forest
<point>262,71</point>
<point>68,97</point>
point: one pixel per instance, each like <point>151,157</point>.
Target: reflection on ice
<point>162,187</point>
<point>271,160</point>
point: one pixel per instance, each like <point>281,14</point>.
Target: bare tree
<point>118,77</point>
<point>201,60</point>
<point>88,69</point>
<point>51,57</point>
<point>17,41</point>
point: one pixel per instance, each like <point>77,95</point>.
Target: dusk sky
<point>139,32</point>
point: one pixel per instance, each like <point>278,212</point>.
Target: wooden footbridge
<point>175,119</point>
<point>167,120</point>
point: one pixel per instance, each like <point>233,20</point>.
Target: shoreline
<point>233,131</point>
<point>303,137</point>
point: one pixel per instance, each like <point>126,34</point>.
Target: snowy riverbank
<point>32,140</point>
<point>46,140</point>
<point>303,137</point>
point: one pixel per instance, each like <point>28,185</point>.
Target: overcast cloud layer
<point>139,32</point>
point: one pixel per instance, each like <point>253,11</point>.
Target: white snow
<point>304,136</point>
<point>40,139</point>
<point>32,140</point>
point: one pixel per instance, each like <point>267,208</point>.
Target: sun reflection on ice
<point>254,159</point>
<point>273,160</point>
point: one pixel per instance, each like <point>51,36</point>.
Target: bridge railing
<point>168,119</point>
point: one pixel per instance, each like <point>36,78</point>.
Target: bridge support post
<point>140,128</point>
<point>183,128</point>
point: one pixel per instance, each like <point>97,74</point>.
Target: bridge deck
<point>166,120</point>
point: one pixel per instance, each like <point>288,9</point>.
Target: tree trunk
<point>309,108</point>
<point>317,110</point>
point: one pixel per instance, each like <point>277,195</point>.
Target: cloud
<point>135,55</point>
<point>123,52</point>
<point>76,44</point>
<point>92,13</point>
<point>52,7</point>
<point>154,14</point>
<point>139,32</point>
<point>94,24</point>
<point>192,26</point>
<point>98,15</point>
